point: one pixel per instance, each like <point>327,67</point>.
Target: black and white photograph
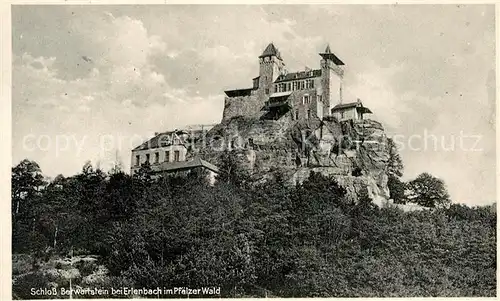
<point>252,151</point>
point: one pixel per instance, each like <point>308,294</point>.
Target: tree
<point>396,190</point>
<point>428,191</point>
<point>231,171</point>
<point>144,174</point>
<point>395,165</point>
<point>394,172</point>
<point>117,165</point>
<point>27,180</point>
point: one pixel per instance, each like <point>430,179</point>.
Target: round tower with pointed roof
<point>271,66</point>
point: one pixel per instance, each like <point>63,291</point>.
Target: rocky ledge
<point>354,152</point>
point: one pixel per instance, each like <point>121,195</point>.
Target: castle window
<point>137,160</point>
<point>294,86</point>
<point>302,85</point>
<point>256,83</point>
<point>167,156</point>
<point>308,114</point>
<point>297,115</point>
<point>157,157</point>
<point>177,156</point>
<point>309,84</point>
<point>288,86</point>
<point>305,99</point>
<point>147,158</point>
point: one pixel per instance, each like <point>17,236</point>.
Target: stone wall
<point>242,106</point>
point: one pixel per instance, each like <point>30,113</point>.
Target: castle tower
<point>271,66</point>
<point>332,74</point>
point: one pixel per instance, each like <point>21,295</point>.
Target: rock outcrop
<point>354,152</point>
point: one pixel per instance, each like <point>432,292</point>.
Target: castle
<point>271,109</point>
<point>302,95</point>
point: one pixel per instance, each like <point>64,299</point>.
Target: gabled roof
<point>164,139</point>
<point>298,75</point>
<point>358,105</point>
<point>329,55</point>
<point>185,165</point>
<point>271,50</point>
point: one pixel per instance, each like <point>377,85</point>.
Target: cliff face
<point>354,152</point>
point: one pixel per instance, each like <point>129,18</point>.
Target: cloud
<point>120,96</point>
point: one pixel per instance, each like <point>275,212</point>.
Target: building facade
<point>350,111</point>
<point>162,148</point>
<point>277,93</point>
<point>172,153</point>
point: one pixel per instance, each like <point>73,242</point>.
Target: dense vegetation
<point>264,240</point>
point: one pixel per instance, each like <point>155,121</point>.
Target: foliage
<point>395,165</point>
<point>257,240</point>
<point>395,169</point>
<point>428,191</point>
<point>396,190</point>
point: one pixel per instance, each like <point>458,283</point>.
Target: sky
<point>92,82</point>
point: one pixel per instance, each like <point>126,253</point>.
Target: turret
<point>332,73</point>
<point>271,66</point>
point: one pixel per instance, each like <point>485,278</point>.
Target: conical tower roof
<point>271,50</point>
<point>328,50</point>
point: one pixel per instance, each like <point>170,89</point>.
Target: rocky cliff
<point>354,152</point>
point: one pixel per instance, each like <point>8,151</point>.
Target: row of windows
<point>307,99</point>
<point>177,156</point>
<point>295,85</point>
<point>308,116</point>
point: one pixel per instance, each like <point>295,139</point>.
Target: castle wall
<point>331,82</point>
<point>249,106</point>
<point>335,88</point>
<point>296,100</point>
